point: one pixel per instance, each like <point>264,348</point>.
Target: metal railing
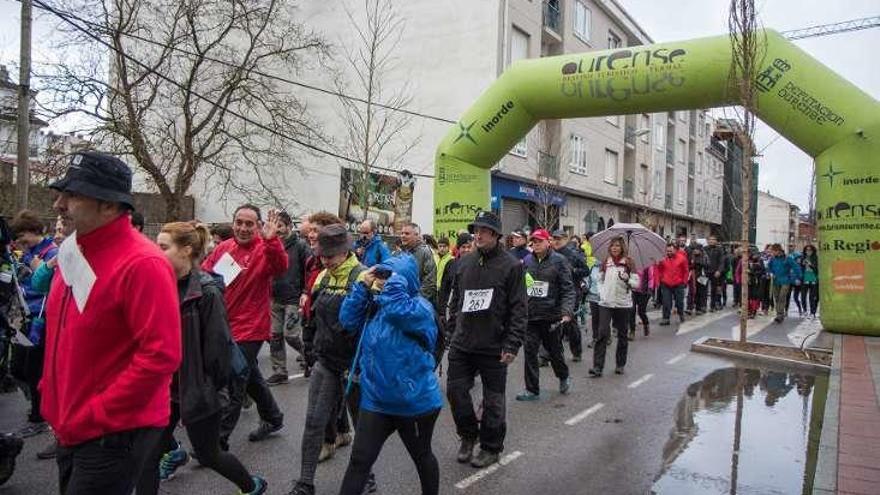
<point>628,189</point>
<point>551,15</point>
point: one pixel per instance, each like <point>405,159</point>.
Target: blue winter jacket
<point>396,359</point>
<point>375,251</point>
<point>35,296</point>
<point>784,269</point>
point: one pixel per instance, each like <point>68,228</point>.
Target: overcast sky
<point>784,168</point>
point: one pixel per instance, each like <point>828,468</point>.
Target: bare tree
<point>547,156</point>
<point>182,87</point>
<point>744,40</point>
<point>374,133</point>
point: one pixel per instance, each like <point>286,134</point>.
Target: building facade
<point>778,222</point>
<point>726,145</point>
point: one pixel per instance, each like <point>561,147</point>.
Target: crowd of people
<point>112,371</point>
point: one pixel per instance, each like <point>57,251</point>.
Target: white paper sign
<point>477,300</point>
<point>227,268</point>
<point>77,273</point>
<point>539,288</point>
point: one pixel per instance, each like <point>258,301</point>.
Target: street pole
<point>24,79</point>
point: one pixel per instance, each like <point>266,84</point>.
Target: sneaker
<point>171,461</point>
<point>277,379</point>
<point>485,459</point>
<point>343,440</point>
<point>264,430</point>
<point>328,450</point>
<point>618,370</point>
<point>564,385</point>
<point>10,446</point>
<point>465,450</point>
<point>664,323</point>
<point>301,488</point>
<point>526,396</point>
<point>260,487</point>
<point>50,452</point>
<point>32,430</point>
<point>595,373</point>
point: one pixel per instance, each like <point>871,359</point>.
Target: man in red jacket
<point>248,263</point>
<point>673,272</point>
<point>112,344</point>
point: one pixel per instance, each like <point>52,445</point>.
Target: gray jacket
<point>427,270</point>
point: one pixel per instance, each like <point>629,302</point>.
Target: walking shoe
<point>50,452</point>
<point>595,373</point>
<point>277,379</point>
<point>32,429</point>
<point>618,370</point>
<point>171,461</point>
<point>577,357</point>
<point>264,430</point>
<point>328,450</point>
<point>371,486</point>
<point>260,487</point>
<point>465,450</point>
<point>564,385</point>
<point>664,323</point>
<point>526,396</point>
<point>343,440</point>
<point>301,488</point>
<point>485,459</point>
<point>10,447</point>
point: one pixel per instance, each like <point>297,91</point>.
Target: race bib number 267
<point>477,300</point>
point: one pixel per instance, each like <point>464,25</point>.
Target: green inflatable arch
<point>823,114</point>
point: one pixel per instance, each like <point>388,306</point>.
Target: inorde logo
<point>498,117</point>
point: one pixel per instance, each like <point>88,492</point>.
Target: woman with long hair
<point>617,279</point>
<point>205,368</point>
<point>810,279</point>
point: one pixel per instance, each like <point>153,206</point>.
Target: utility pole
<point>24,99</point>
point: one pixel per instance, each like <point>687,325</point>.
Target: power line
<point>834,28</point>
<point>310,146</point>
<point>319,89</point>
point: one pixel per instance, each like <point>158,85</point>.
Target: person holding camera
<point>395,360</point>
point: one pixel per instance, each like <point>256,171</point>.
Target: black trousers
<point>573,331</point>
<point>26,366</point>
<point>700,298</point>
<point>256,387</point>
<point>110,465</point>
<point>640,309</point>
<point>737,294</point>
<point>204,435</point>
<point>716,287</point>
<point>492,427</point>
<point>594,319</point>
<point>810,293</point>
<point>538,334</point>
<point>675,294</point>
<point>373,429</point>
<point>617,317</point>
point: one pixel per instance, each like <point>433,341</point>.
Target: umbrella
<point>643,246</point>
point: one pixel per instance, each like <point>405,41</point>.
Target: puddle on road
<point>745,431</point>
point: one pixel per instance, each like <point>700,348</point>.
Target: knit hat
<point>333,240</point>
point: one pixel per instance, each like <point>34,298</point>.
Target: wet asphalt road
<point>613,442</point>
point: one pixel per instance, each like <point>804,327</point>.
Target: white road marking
<point>755,326</point>
<point>641,380</point>
<point>470,480</point>
<point>583,414</point>
<point>677,358</point>
<point>293,377</point>
<point>697,322</point>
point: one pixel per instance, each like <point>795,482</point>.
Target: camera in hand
<point>382,273</point>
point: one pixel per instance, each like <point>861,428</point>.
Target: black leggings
<point>372,431</point>
<point>204,435</point>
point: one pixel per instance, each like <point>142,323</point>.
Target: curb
<point>825,480</point>
<point>701,346</point>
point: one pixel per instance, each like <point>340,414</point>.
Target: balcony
<point>628,189</point>
<point>670,157</point>
<point>551,15</point>
<point>668,204</point>
<point>629,136</point>
<point>690,206</point>
<point>691,168</point>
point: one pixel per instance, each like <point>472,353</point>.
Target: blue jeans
<point>670,293</point>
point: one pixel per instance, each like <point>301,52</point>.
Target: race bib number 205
<point>539,288</point>
<point>477,300</point>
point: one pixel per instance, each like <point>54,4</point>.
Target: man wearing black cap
<point>488,309</point>
<point>519,249</point>
<point>112,344</point>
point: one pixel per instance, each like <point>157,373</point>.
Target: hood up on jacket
<point>405,273</point>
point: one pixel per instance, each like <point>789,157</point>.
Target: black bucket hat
<point>333,239</point>
<point>99,176</point>
<point>486,219</point>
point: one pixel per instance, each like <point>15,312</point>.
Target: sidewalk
<point>849,451</point>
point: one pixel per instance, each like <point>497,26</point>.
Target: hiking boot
<point>564,385</point>
<point>171,461</point>
<point>301,488</point>
<point>328,450</point>
<point>50,452</point>
<point>618,370</point>
<point>264,430</point>
<point>32,429</point>
<point>343,440</point>
<point>277,379</point>
<point>485,459</point>
<point>595,373</point>
<point>260,487</point>
<point>465,450</point>
<point>526,396</point>
<point>664,323</point>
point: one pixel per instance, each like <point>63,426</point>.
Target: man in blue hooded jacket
<point>395,360</point>
<point>785,272</point>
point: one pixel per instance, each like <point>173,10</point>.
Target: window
<point>613,40</point>
<point>682,150</point>
<point>611,167</point>
<point>578,148</point>
<point>646,126</point>
<point>613,120</point>
<point>679,191</point>
<point>698,199</point>
<point>521,148</point>
<point>644,176</point>
<point>582,20</point>
<point>519,45</point>
<point>658,184</point>
<point>700,162</point>
<point>658,135</point>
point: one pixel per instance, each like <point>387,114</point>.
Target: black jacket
<point>558,300</point>
<point>450,273</point>
<point>206,339</point>
<point>520,252</point>
<point>715,260</point>
<point>502,325</point>
<point>287,287</point>
<point>577,261</point>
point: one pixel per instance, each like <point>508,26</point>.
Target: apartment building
<point>727,146</point>
<point>778,222</point>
